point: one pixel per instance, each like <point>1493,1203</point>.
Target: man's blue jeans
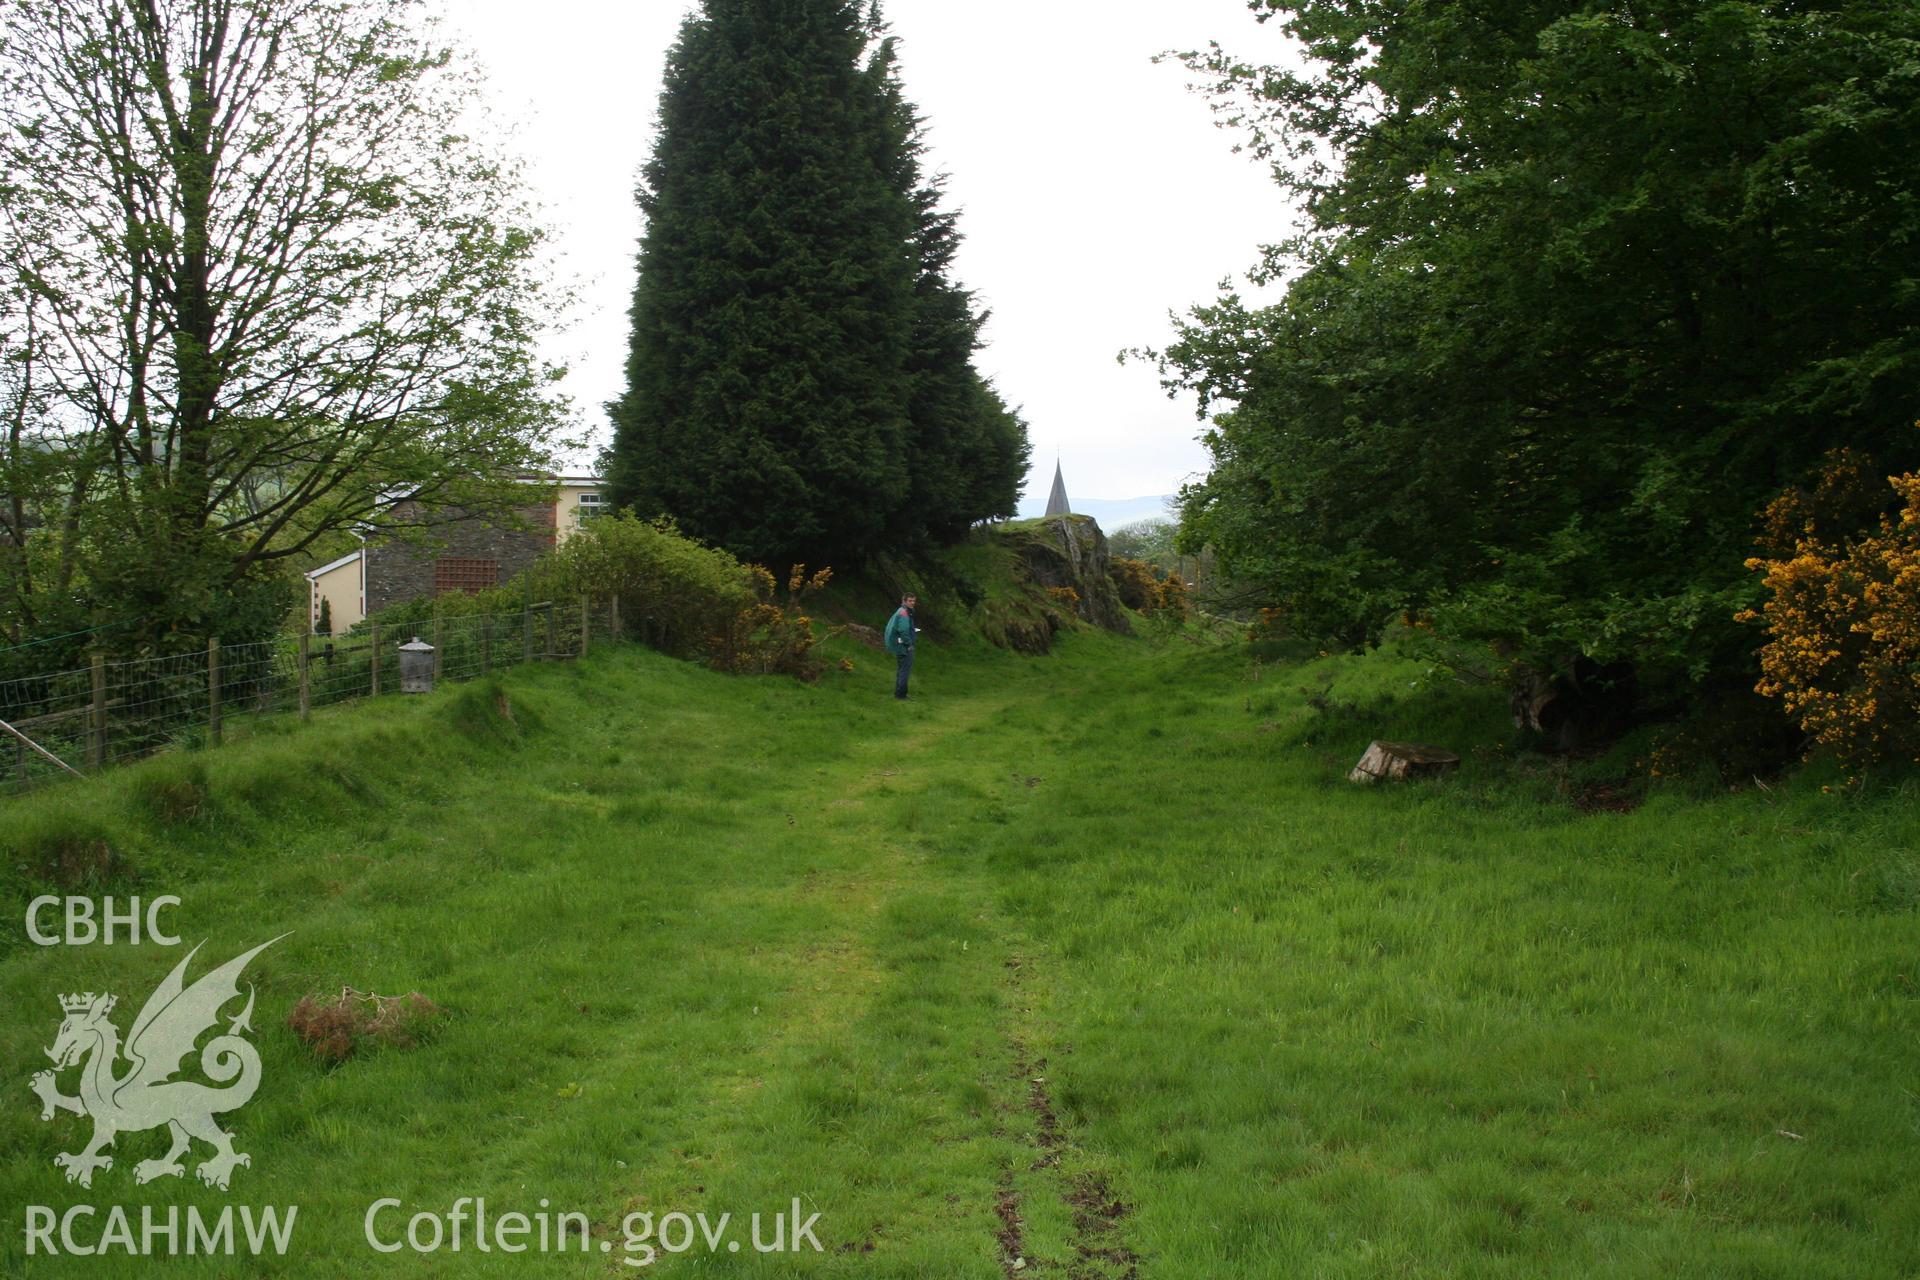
<point>900,678</point>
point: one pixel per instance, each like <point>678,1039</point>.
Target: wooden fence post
<point>374,649</point>
<point>613,618</point>
<point>486,644</point>
<point>306,690</point>
<point>527,619</point>
<point>586,622</point>
<point>436,646</point>
<point>213,690</point>
<point>97,746</point>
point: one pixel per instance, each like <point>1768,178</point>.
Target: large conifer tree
<point>970,451</point>
<point>800,381</point>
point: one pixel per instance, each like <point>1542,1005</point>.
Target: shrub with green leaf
<point>675,593</point>
<point>686,598</point>
<point>1579,288</point>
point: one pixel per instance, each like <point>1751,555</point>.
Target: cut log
<point>1397,761</point>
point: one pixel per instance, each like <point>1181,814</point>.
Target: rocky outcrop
<point>1019,583</point>
<point>1071,552</point>
<point>1052,557</point>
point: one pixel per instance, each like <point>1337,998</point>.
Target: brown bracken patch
<point>334,1028</point>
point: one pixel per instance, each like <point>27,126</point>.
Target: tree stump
<point>1398,761</point>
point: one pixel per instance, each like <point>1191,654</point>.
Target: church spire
<point>1057,504</point>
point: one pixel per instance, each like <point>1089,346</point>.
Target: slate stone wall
<point>402,571</point>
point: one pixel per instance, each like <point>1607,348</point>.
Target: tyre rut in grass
<point>1096,1246</point>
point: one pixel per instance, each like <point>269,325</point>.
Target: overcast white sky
<point>1096,193</point>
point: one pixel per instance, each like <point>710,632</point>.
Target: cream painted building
<point>580,498</point>
<point>342,584</point>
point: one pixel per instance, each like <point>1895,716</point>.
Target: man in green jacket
<point>899,641</point>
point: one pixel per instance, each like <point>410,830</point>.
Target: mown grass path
<point>1082,966</point>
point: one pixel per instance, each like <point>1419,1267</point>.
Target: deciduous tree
<point>1582,284</point>
<point>258,283</point>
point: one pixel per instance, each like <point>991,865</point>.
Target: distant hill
<point>1110,512</point>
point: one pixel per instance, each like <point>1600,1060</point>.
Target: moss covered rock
<point>1069,553</point>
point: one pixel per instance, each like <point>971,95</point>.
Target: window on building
<point>452,573</point>
<point>591,506</point>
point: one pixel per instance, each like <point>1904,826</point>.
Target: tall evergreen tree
<point>800,380</point>
<point>969,451</point>
<point>767,384</point>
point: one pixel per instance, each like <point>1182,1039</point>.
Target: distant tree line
<point>801,381</point>
<point>1582,285</point>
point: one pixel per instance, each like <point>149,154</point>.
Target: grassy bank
<point>1092,961</point>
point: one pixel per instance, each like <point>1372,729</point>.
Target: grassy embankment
<point>1092,959</point>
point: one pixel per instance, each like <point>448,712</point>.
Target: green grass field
<point>1085,965</point>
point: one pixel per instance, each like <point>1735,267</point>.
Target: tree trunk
<point>1589,703</point>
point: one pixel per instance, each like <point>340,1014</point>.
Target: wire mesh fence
<point>49,718</point>
<point>111,711</point>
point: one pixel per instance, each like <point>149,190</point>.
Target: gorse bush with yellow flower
<point>772,636</point>
<point>1136,582</point>
<point>1172,601</point>
<point>1843,613</point>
